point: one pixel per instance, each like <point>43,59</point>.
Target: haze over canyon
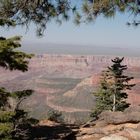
<point>73,49</point>
<point>65,83</point>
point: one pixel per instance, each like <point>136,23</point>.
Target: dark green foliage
<point>40,12</point>
<point>103,96</point>
<point>113,89</point>
<point>3,98</point>
<point>54,115</point>
<point>14,122</point>
<point>119,83</point>
<point>10,57</point>
<point>91,9</point>
<point>22,125</point>
<point>7,22</point>
<point>5,116</point>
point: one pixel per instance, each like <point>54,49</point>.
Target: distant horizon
<point>77,49</point>
<point>103,33</point>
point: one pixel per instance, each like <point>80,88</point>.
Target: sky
<point>112,32</point>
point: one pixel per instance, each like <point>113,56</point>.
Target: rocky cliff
<point>85,60</point>
<point>65,83</point>
<point>109,126</point>
<point>77,65</point>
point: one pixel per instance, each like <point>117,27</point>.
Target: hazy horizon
<point>52,48</point>
<point>105,36</point>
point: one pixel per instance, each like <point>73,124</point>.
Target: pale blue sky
<point>103,33</point>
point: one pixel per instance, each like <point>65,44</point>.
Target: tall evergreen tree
<point>119,83</point>
<point>112,93</point>
<point>14,122</point>
<point>103,101</point>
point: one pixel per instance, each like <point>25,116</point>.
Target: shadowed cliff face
<point>65,83</point>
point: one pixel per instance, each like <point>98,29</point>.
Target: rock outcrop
<point>65,83</point>
<point>102,129</point>
<point>113,126</point>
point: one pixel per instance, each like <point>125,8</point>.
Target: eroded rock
<point>114,137</point>
<point>120,117</point>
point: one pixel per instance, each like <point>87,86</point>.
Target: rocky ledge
<point>113,126</point>
<point>110,126</point>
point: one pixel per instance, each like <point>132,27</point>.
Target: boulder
<point>114,137</point>
<point>134,134</point>
<point>120,117</point>
<point>113,126</point>
<point>132,109</point>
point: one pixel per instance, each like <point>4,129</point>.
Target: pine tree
<point>119,83</point>
<point>112,93</point>
<point>5,116</point>
<point>103,94</point>
<point>41,12</point>
<point>109,8</point>
<point>21,121</point>
<point>14,122</point>
<point>10,57</point>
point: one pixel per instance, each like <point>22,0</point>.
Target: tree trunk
<point>114,102</point>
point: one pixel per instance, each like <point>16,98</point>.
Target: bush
<point>54,115</point>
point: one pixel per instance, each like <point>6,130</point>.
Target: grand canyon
<point>66,83</point>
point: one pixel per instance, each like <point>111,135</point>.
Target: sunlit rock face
<point>65,83</point>
<point>77,66</point>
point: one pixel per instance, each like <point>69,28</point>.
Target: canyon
<point>65,83</point>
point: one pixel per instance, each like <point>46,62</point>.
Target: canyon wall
<point>85,60</point>
<point>65,83</point>
<point>80,66</point>
<point>67,66</point>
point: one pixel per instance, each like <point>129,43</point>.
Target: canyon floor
<point>66,83</point>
